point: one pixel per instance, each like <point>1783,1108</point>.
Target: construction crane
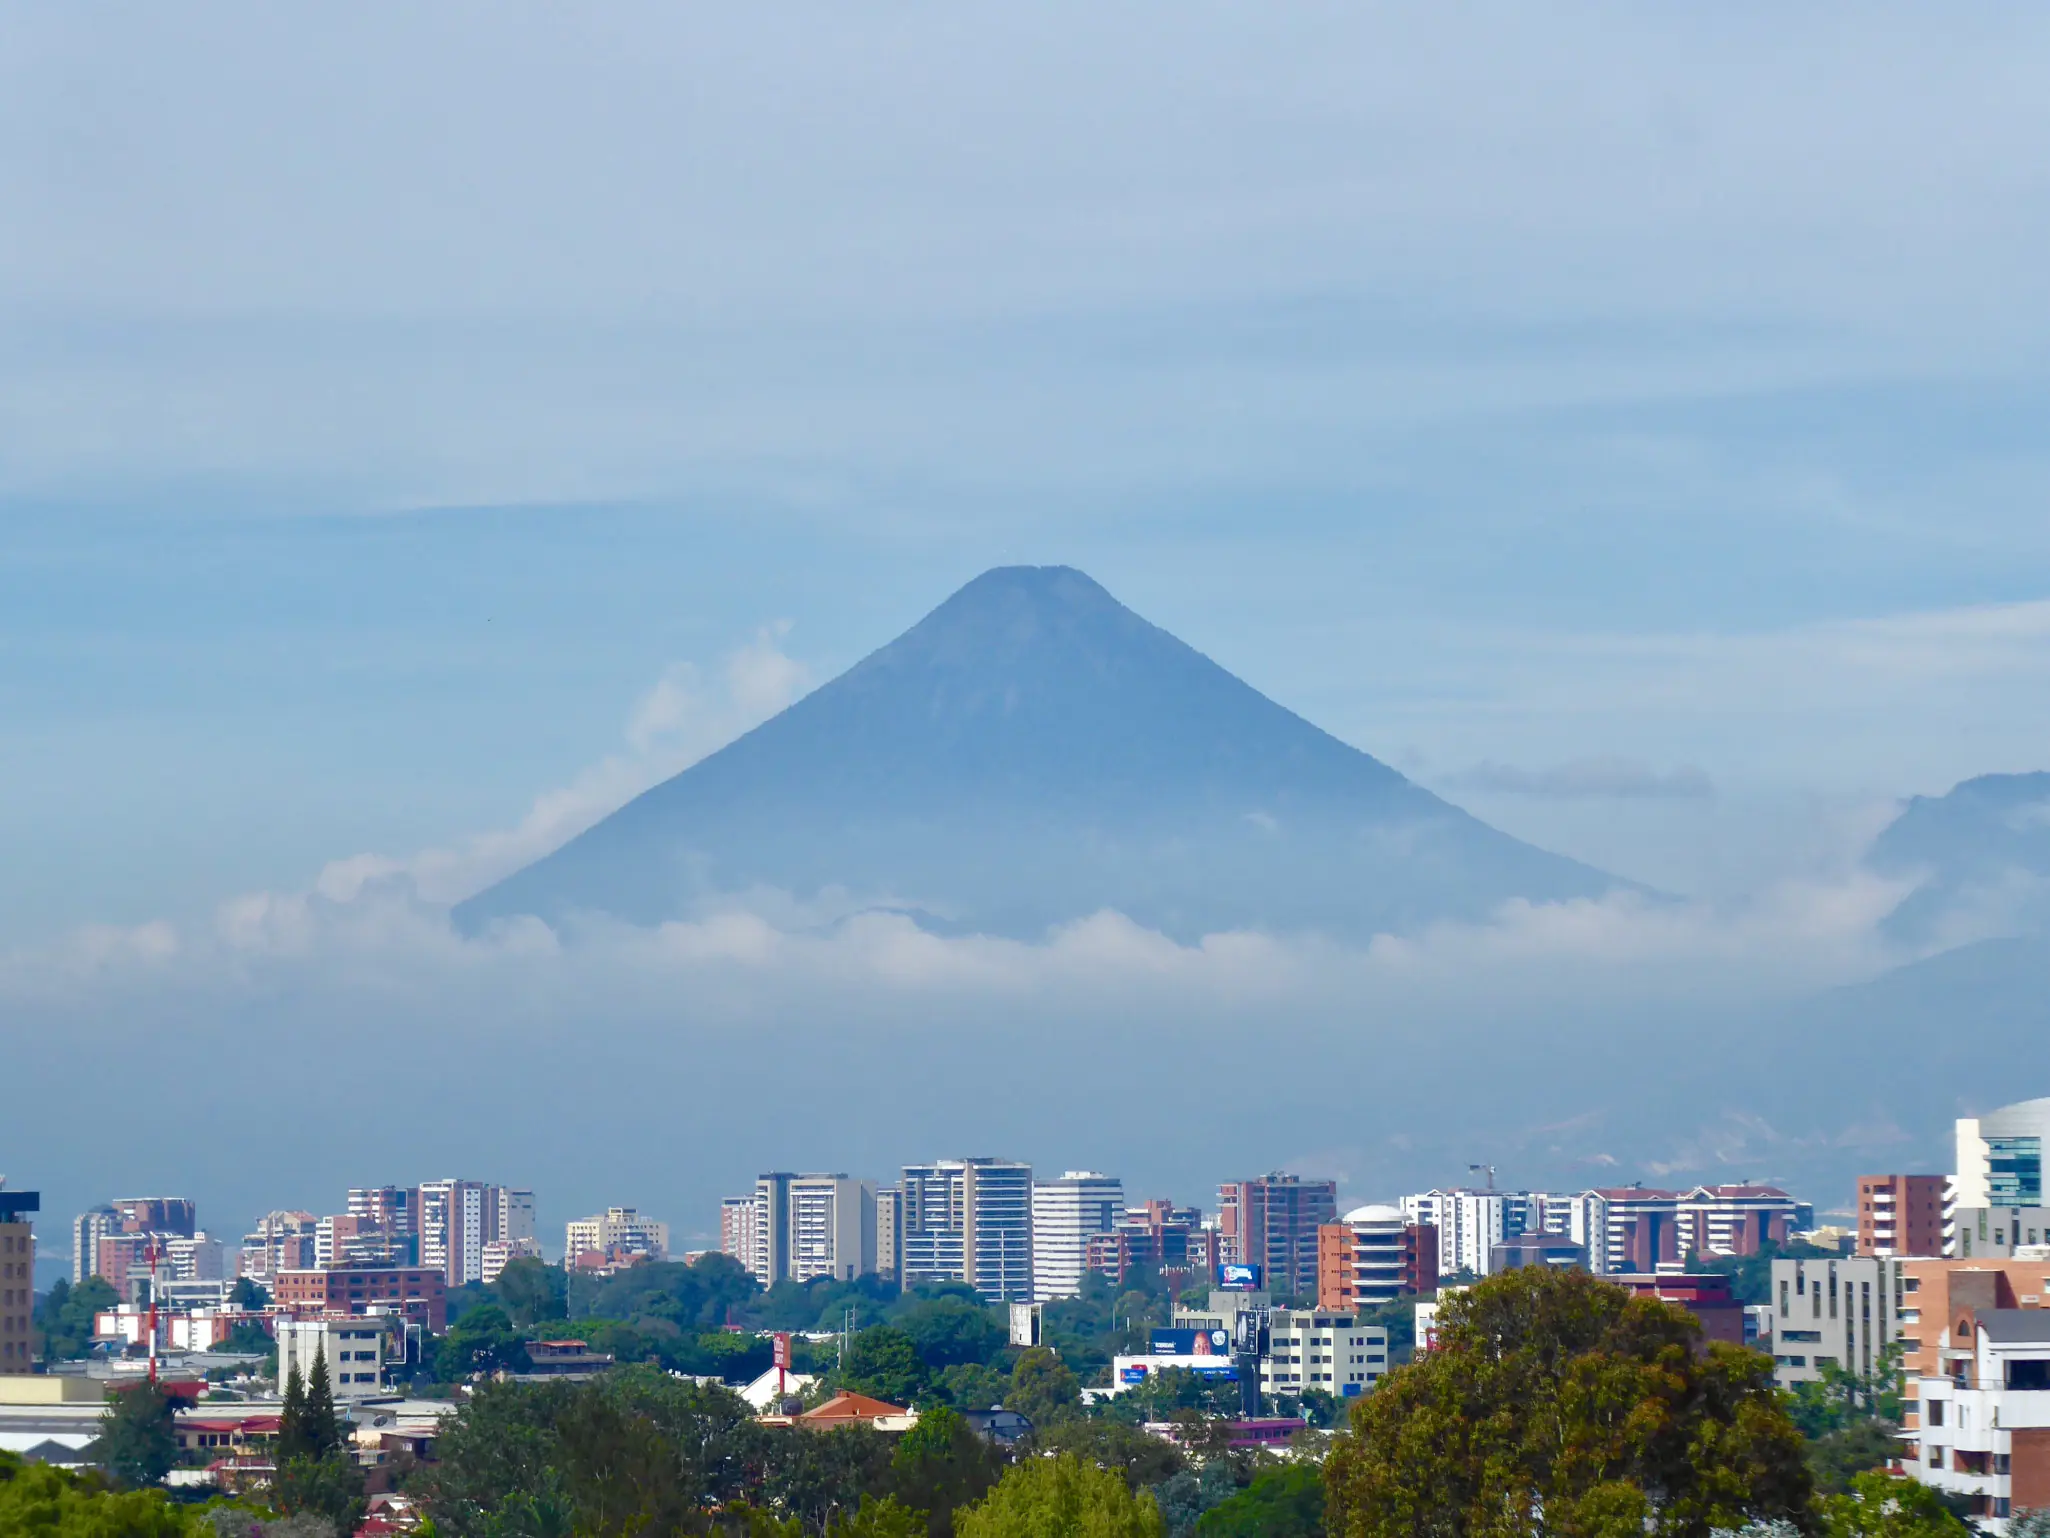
<point>1486,1169</point>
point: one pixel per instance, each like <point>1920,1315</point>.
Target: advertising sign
<point>1236,1278</point>
<point>1135,1374</point>
<point>1192,1343</point>
<point>780,1352</point>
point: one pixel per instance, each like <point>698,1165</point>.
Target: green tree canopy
<point>250,1294</point>
<point>1882,1506</point>
<point>292,1440</point>
<point>1279,1503</point>
<point>64,1319</point>
<point>1561,1403</point>
<point>36,1498</point>
<point>884,1364</point>
<point>949,1331</point>
<point>531,1291</point>
<point>482,1341</point>
<point>1061,1497</point>
<point>941,1465</point>
<point>1042,1389</point>
<point>138,1440</point>
<point>323,1426</point>
<point>1142,1458</point>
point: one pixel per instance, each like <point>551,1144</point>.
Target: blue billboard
<point>1192,1343</point>
<point>1236,1278</point>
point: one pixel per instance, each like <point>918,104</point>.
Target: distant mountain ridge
<point>1980,855</point>
<point>1029,753</point>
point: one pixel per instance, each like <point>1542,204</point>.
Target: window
<point>1933,1413</point>
<point>1936,1457</point>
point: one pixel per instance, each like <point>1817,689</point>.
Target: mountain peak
<point>1029,753</point>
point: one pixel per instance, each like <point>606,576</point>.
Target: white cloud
<point>682,718</point>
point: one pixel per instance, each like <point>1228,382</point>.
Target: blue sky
<point>1583,399</point>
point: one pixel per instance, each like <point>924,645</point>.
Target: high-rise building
<point>1469,1224</point>
<point>832,1227</point>
<point>87,1230</point>
<point>889,1230</point>
<point>1272,1223</point>
<point>157,1215</point>
<point>1157,1236</point>
<point>1900,1214</point>
<point>457,1218</point>
<point>17,1280</point>
<point>281,1241</point>
<point>1066,1214</point>
<point>615,1233</point>
<point>969,1220</point>
<point>737,1225</point>
<point>1374,1256</point>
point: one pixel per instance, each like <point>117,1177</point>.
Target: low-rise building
<point>420,1293</point>
<point>1835,1312</point>
<point>1984,1427</point>
<point>1558,1251</point>
<point>500,1253</point>
<point>356,1348</point>
<point>1705,1295</point>
<point>1331,1352</point>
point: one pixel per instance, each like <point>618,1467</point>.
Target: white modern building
<point>1984,1426</point>
<point>1995,1200</point>
<point>1333,1353</point>
<point>356,1348</point>
<point>1470,1224</point>
<point>1065,1214</point>
<point>969,1220</point>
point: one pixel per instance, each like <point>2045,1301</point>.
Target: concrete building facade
<point>1837,1312</point>
<point>615,1232</point>
<point>1066,1214</point>
<point>1328,1351</point>
<point>832,1227</point>
<point>355,1349</point>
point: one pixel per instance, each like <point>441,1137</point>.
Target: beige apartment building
<point>17,1280</point>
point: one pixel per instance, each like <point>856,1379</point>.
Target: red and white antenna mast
<point>152,1323</point>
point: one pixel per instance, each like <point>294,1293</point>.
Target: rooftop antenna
<point>1488,1169</point>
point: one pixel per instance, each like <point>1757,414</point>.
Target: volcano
<point>1030,753</point>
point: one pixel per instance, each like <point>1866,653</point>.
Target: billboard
<point>1025,1321</point>
<point>779,1351</point>
<point>1237,1278</point>
<point>1192,1343</point>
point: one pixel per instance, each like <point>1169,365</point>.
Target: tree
<point>940,1465</point>
<point>65,1319</point>
<point>138,1436</point>
<point>1883,1506</point>
<point>323,1428</point>
<point>482,1341</point>
<point>1060,1497</point>
<point>40,1498</point>
<point>884,1364</point>
<point>1183,1498</point>
<point>329,1487</point>
<point>293,1441</point>
<point>967,1386</point>
<point>249,1294</point>
<point>531,1290</point>
<point>885,1518</point>
<point>1837,1458</point>
<point>1042,1389</point>
<point>1557,1393</point>
<point>949,1331</point>
<point>1142,1458</point>
<point>1280,1503</point>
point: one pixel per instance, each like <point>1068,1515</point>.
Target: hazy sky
<point>1629,421</point>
